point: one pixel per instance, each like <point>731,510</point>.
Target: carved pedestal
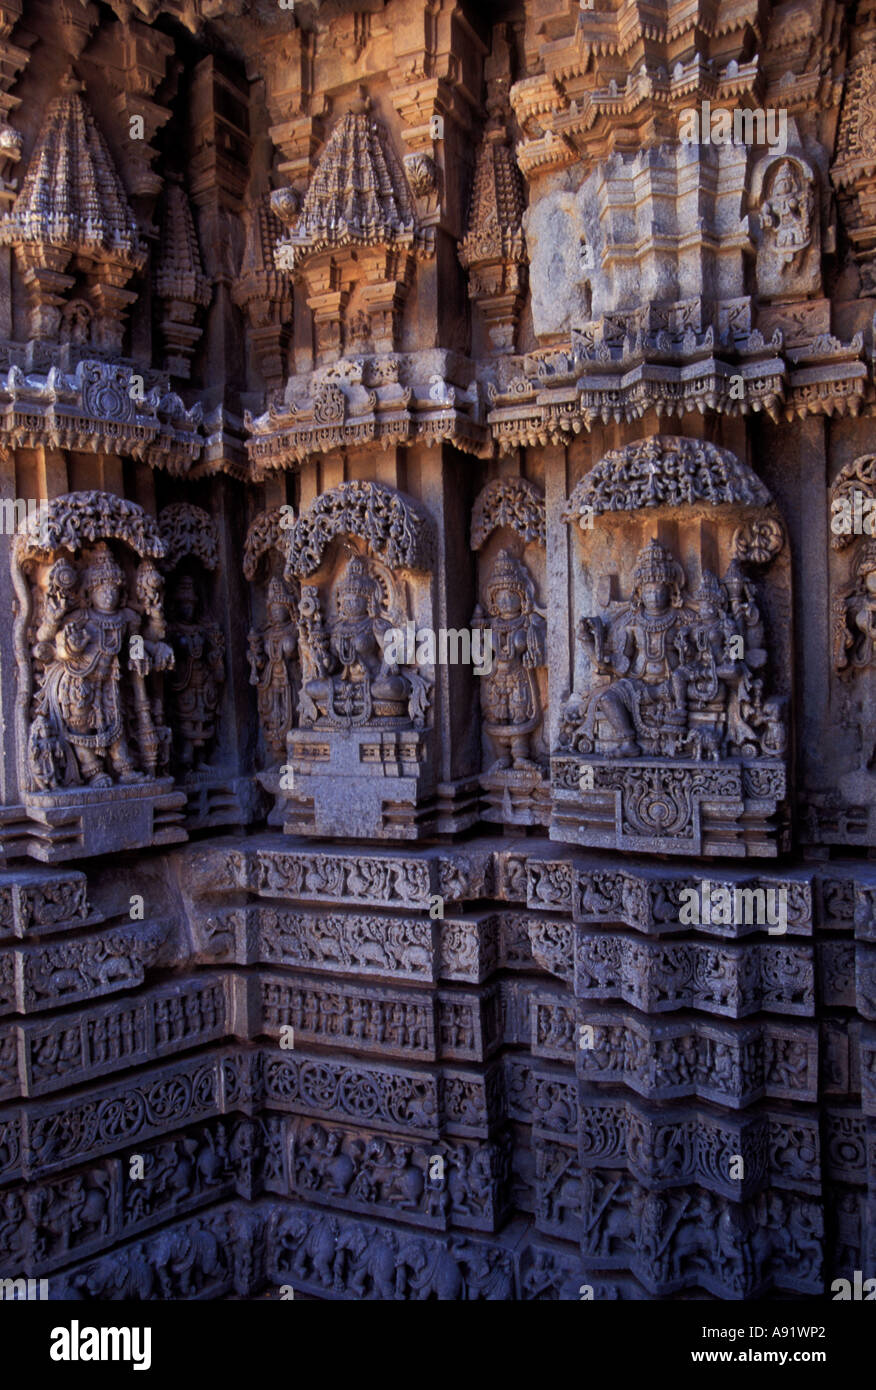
<point>372,784</point>
<point>663,807</point>
<point>74,824</point>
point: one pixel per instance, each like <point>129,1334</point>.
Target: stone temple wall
<point>438,657</point>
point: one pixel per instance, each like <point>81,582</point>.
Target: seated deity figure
<point>199,672</point>
<point>675,677</point>
<point>349,680</point>
<point>271,652</point>
<point>78,730</point>
<point>641,682</point>
<point>509,693</point>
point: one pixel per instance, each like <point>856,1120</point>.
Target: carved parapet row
<point>68,1051</point>
<point>388,878</point>
<point>697,1239</point>
<point>376,403</point>
<point>56,1134</point>
<point>731,1064</point>
<point>391,1098</point>
<point>100,407</point>
<point>436,1184</point>
<point>660,901</point>
<point>416,950</point>
<point>36,903</point>
<point>731,980</point>
<point>210,1256</point>
<point>230,1251</point>
<point>68,1218</point>
<point>447,1026</point>
<point>37,977</point>
<point>670,1148</point>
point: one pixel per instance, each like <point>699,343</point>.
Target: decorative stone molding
<point>99,408</point>
<point>369,403</point>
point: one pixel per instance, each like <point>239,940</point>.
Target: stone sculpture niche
<point>92,651</point>
<point>359,759</point>
<point>853,524</point>
<point>674,739</point>
<point>788,223</point>
<point>275,668</point>
<point>508,529</point>
<point>193,689</point>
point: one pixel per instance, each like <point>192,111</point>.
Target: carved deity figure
<point>637,659</point>
<point>509,694</point>
<point>786,215</point>
<point>78,730</point>
<point>855,616</point>
<point>345,677</point>
<point>199,648</point>
<point>675,677</point>
<point>272,650</point>
<point>153,736</point>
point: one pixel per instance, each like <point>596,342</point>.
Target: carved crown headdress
<point>508,573</point>
<point>656,565</point>
<point>103,567</point>
<point>357,579</point>
<point>278,592</point>
<point>866,560</point>
<point>709,589</point>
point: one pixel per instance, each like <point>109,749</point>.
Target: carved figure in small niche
<point>509,694</point>
<point>272,650</point>
<point>76,324</point>
<point>705,646</point>
<point>786,215</point>
<point>199,673</point>
<point>674,678</point>
<point>154,736</point>
<point>855,616</point>
<point>78,729</point>
<point>348,680</point>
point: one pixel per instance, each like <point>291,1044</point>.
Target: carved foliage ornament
<point>512,502</point>
<point>392,526</point>
<point>855,483</point>
<point>271,530</point>
<point>664,471</point>
<point>78,518</point>
<point>188,530</point>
